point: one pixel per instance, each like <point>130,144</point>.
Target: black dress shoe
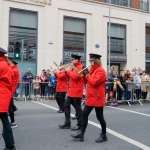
<point>74,118</point>
<point>64,126</point>
<point>60,111</point>
<point>10,148</point>
<point>78,137</point>
<point>15,108</point>
<point>101,138</point>
<point>76,128</point>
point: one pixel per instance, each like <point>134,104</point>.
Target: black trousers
<point>11,111</point>
<point>99,114</point>
<point>76,102</point>
<point>7,131</point>
<point>144,95</point>
<point>60,99</point>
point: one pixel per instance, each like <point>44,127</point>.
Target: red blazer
<point>16,78</point>
<point>61,85</point>
<point>95,92</point>
<point>75,88</point>
<point>5,85</point>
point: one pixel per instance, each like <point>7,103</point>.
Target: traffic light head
<point>17,49</point>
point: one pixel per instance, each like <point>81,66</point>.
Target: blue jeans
<point>27,89</point>
<point>47,90</point>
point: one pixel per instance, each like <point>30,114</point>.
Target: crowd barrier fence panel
<point>130,93</point>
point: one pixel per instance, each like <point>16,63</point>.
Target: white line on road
<point>135,112</point>
<point>125,138</point>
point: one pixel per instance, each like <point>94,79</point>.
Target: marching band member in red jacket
<point>74,94</point>
<point>5,96</point>
<point>16,80</point>
<point>95,97</point>
<point>61,89</point>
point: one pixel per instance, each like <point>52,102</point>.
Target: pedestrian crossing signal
<point>17,50</point>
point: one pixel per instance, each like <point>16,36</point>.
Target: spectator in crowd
<point>47,92</point>
<point>36,86</point>
<point>52,84</point>
<point>110,77</point>
<point>116,81</point>
<point>27,78</point>
<point>123,79</point>
<point>110,80</point>
<point>145,87</point>
<point>117,86</point>
<point>134,69</point>
<point>43,83</point>
<point>130,87</point>
<point>137,82</point>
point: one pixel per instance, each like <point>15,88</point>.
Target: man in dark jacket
<point>27,78</point>
<point>5,96</point>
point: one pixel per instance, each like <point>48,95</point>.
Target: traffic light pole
<point>22,51</point>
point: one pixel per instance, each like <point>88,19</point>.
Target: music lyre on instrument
<point>56,65</point>
<point>51,68</point>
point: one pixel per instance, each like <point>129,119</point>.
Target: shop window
<point>117,38</point>
<point>23,25</point>
<point>74,37</point>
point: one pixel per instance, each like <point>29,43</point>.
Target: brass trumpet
<point>79,72</point>
<point>84,69</point>
<point>63,67</point>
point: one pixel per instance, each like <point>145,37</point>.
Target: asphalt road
<point>128,128</point>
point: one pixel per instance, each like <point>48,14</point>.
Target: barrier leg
<point>128,103</point>
<point>25,98</point>
<point>140,102</point>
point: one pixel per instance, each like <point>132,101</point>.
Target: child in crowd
<point>36,86</point>
<point>43,84</point>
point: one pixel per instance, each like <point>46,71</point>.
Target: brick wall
<point>135,4</point>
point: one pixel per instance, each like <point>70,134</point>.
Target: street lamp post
<point>109,28</point>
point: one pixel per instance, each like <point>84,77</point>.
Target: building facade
<point>51,30</point>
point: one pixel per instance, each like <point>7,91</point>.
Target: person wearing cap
<point>27,78</point>
<point>5,96</point>
<point>95,97</point>
<point>16,80</point>
<point>74,94</point>
<point>61,89</point>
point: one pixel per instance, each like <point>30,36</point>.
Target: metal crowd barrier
<point>27,91</point>
<point>129,92</point>
<point>45,91</point>
<point>23,91</point>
